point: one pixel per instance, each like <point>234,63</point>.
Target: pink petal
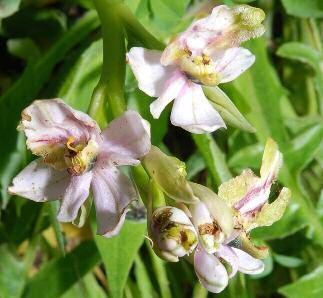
<point>113,192</point>
<point>49,123</point>
<point>233,63</point>
<point>125,140</point>
<point>210,271</point>
<point>75,195</point>
<point>171,89</point>
<point>193,112</point>
<point>247,263</point>
<point>39,182</point>
<point>150,74</point>
<point>226,253</point>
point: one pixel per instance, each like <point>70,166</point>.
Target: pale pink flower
<point>76,156</point>
<point>207,53</point>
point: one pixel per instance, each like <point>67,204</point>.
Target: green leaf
<point>86,287</point>
<point>213,157</point>
<point>58,275</point>
<point>8,7</point>
<point>80,82</point>
<point>53,209</point>
<point>301,52</point>
<point>118,254</point>
<point>288,261</point>
<point>304,147</point>
<point>194,165</point>
<point>309,285</point>
<point>304,8</point>
<point>12,274</point>
<point>247,157</point>
<point>159,269</point>
<point>143,279</point>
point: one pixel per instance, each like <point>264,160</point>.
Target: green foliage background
<point>53,48</point>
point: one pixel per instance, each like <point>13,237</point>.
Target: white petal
<point>39,182</point>
<point>113,192</point>
<point>210,271</point>
<point>76,194</point>
<point>226,253</point>
<point>171,89</point>
<point>125,140</point>
<point>193,112</point>
<point>150,74</point>
<point>233,63</point>
<point>247,263</point>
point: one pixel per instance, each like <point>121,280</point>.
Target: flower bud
<point>170,175</point>
<point>172,233</point>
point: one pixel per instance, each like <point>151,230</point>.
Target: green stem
<point>111,85</point>
<point>138,31</point>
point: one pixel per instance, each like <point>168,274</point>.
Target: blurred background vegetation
<point>52,48</point>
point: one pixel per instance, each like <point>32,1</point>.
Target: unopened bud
<point>172,233</point>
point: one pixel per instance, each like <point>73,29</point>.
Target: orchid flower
<point>75,155</point>
<point>248,196</point>
<point>208,54</point>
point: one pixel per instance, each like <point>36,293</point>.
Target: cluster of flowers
<point>184,218</point>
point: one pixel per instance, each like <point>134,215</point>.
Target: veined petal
<point>50,123</point>
<point>125,140</point>
<point>248,264</point>
<point>171,89</point>
<point>40,183</point>
<point>233,63</point>
<point>226,253</point>
<point>150,74</point>
<point>210,271</point>
<point>113,192</point>
<point>193,112</point>
<point>75,195</point>
<point>236,188</point>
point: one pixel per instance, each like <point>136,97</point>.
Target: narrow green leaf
<point>58,275</point>
<point>159,270</point>
<point>213,157</point>
<point>288,261</point>
<point>118,254</point>
<point>304,147</point>
<point>301,52</point>
<point>304,8</point>
<point>143,280</point>
<point>309,285</point>
<point>53,209</point>
<point>86,287</point>
<point>13,274</point>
